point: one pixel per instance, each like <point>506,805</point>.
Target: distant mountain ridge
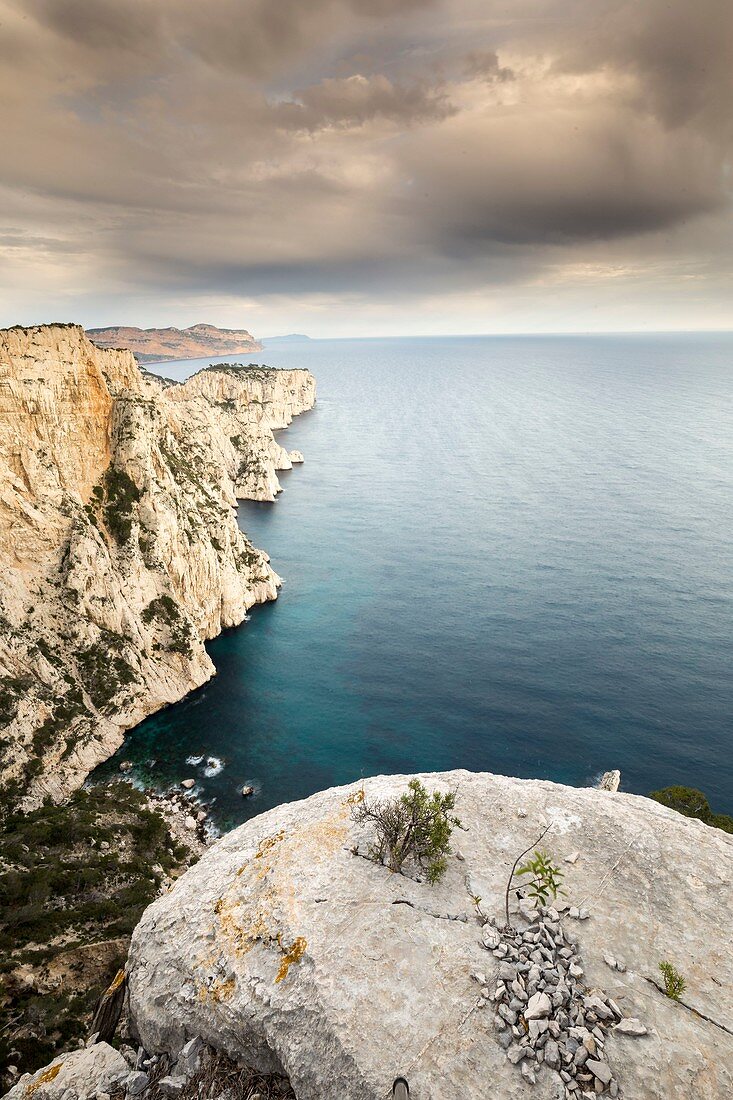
<point>150,345</point>
<point>289,338</point>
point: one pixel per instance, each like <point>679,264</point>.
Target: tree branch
<point>514,867</point>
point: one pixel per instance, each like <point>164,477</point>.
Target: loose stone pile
<point>544,1013</point>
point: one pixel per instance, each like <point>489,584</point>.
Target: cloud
<point>583,172</point>
<point>356,100</point>
<point>680,53</point>
<point>368,145</point>
<point>485,64</point>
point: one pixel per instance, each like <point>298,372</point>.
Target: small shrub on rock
<point>674,984</point>
<point>542,877</point>
<point>414,828</point>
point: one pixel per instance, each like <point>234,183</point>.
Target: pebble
<point>247,791</point>
<point>491,937</point>
<point>171,1086</point>
<point>552,1054</point>
<point>188,784</point>
<point>630,1026</point>
<point>572,858</point>
<point>528,1073</point>
<point>136,1082</point>
<point>538,1006</point>
<point>600,1070</point>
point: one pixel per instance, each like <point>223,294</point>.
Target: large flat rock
<point>284,947</point>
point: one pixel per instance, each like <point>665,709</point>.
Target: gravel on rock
<point>544,1013</point>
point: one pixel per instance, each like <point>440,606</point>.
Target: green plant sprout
<point>674,984</point>
<point>546,876</point>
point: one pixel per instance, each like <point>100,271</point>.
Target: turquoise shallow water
<point>510,554</point>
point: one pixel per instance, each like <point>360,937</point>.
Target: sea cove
<point>504,554</point>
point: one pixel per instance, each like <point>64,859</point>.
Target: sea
<point>506,554</point>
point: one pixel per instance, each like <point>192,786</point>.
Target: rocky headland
<point>157,344</point>
<point>288,949</point>
<point>120,545</point>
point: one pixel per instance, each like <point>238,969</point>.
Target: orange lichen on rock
<point>116,982</point>
<point>47,1075</point>
<point>294,955</point>
<point>218,991</point>
<point>268,843</point>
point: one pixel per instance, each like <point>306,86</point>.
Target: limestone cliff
<point>120,546</point>
<point>285,947</point>
<point>195,342</point>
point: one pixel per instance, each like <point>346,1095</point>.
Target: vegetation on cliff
<point>692,803</point>
<point>74,880</point>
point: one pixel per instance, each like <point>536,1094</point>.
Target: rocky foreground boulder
<point>287,947</point>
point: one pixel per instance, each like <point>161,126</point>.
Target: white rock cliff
<point>285,948</point>
<point>119,542</point>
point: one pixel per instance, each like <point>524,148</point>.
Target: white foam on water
<point>213,766</point>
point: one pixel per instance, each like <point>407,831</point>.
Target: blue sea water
<point>508,554</point>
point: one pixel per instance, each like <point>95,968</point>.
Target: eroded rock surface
<point>285,948</point>
<point>120,548</point>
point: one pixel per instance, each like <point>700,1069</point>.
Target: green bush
<point>59,889</point>
<point>692,803</point>
<point>414,828</point>
<point>164,608</point>
<point>545,877</point>
<point>119,494</point>
<point>103,671</point>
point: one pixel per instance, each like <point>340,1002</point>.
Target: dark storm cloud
<point>584,175</point>
<point>357,143</point>
<point>681,53</point>
<point>127,25</point>
<point>485,64</point>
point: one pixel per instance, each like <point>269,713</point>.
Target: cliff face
<point>251,403</point>
<point>121,550</point>
<point>174,343</point>
<point>286,947</point>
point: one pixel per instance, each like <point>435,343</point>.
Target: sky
<point>367,167</point>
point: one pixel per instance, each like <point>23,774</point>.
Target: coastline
<point>124,550</point>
